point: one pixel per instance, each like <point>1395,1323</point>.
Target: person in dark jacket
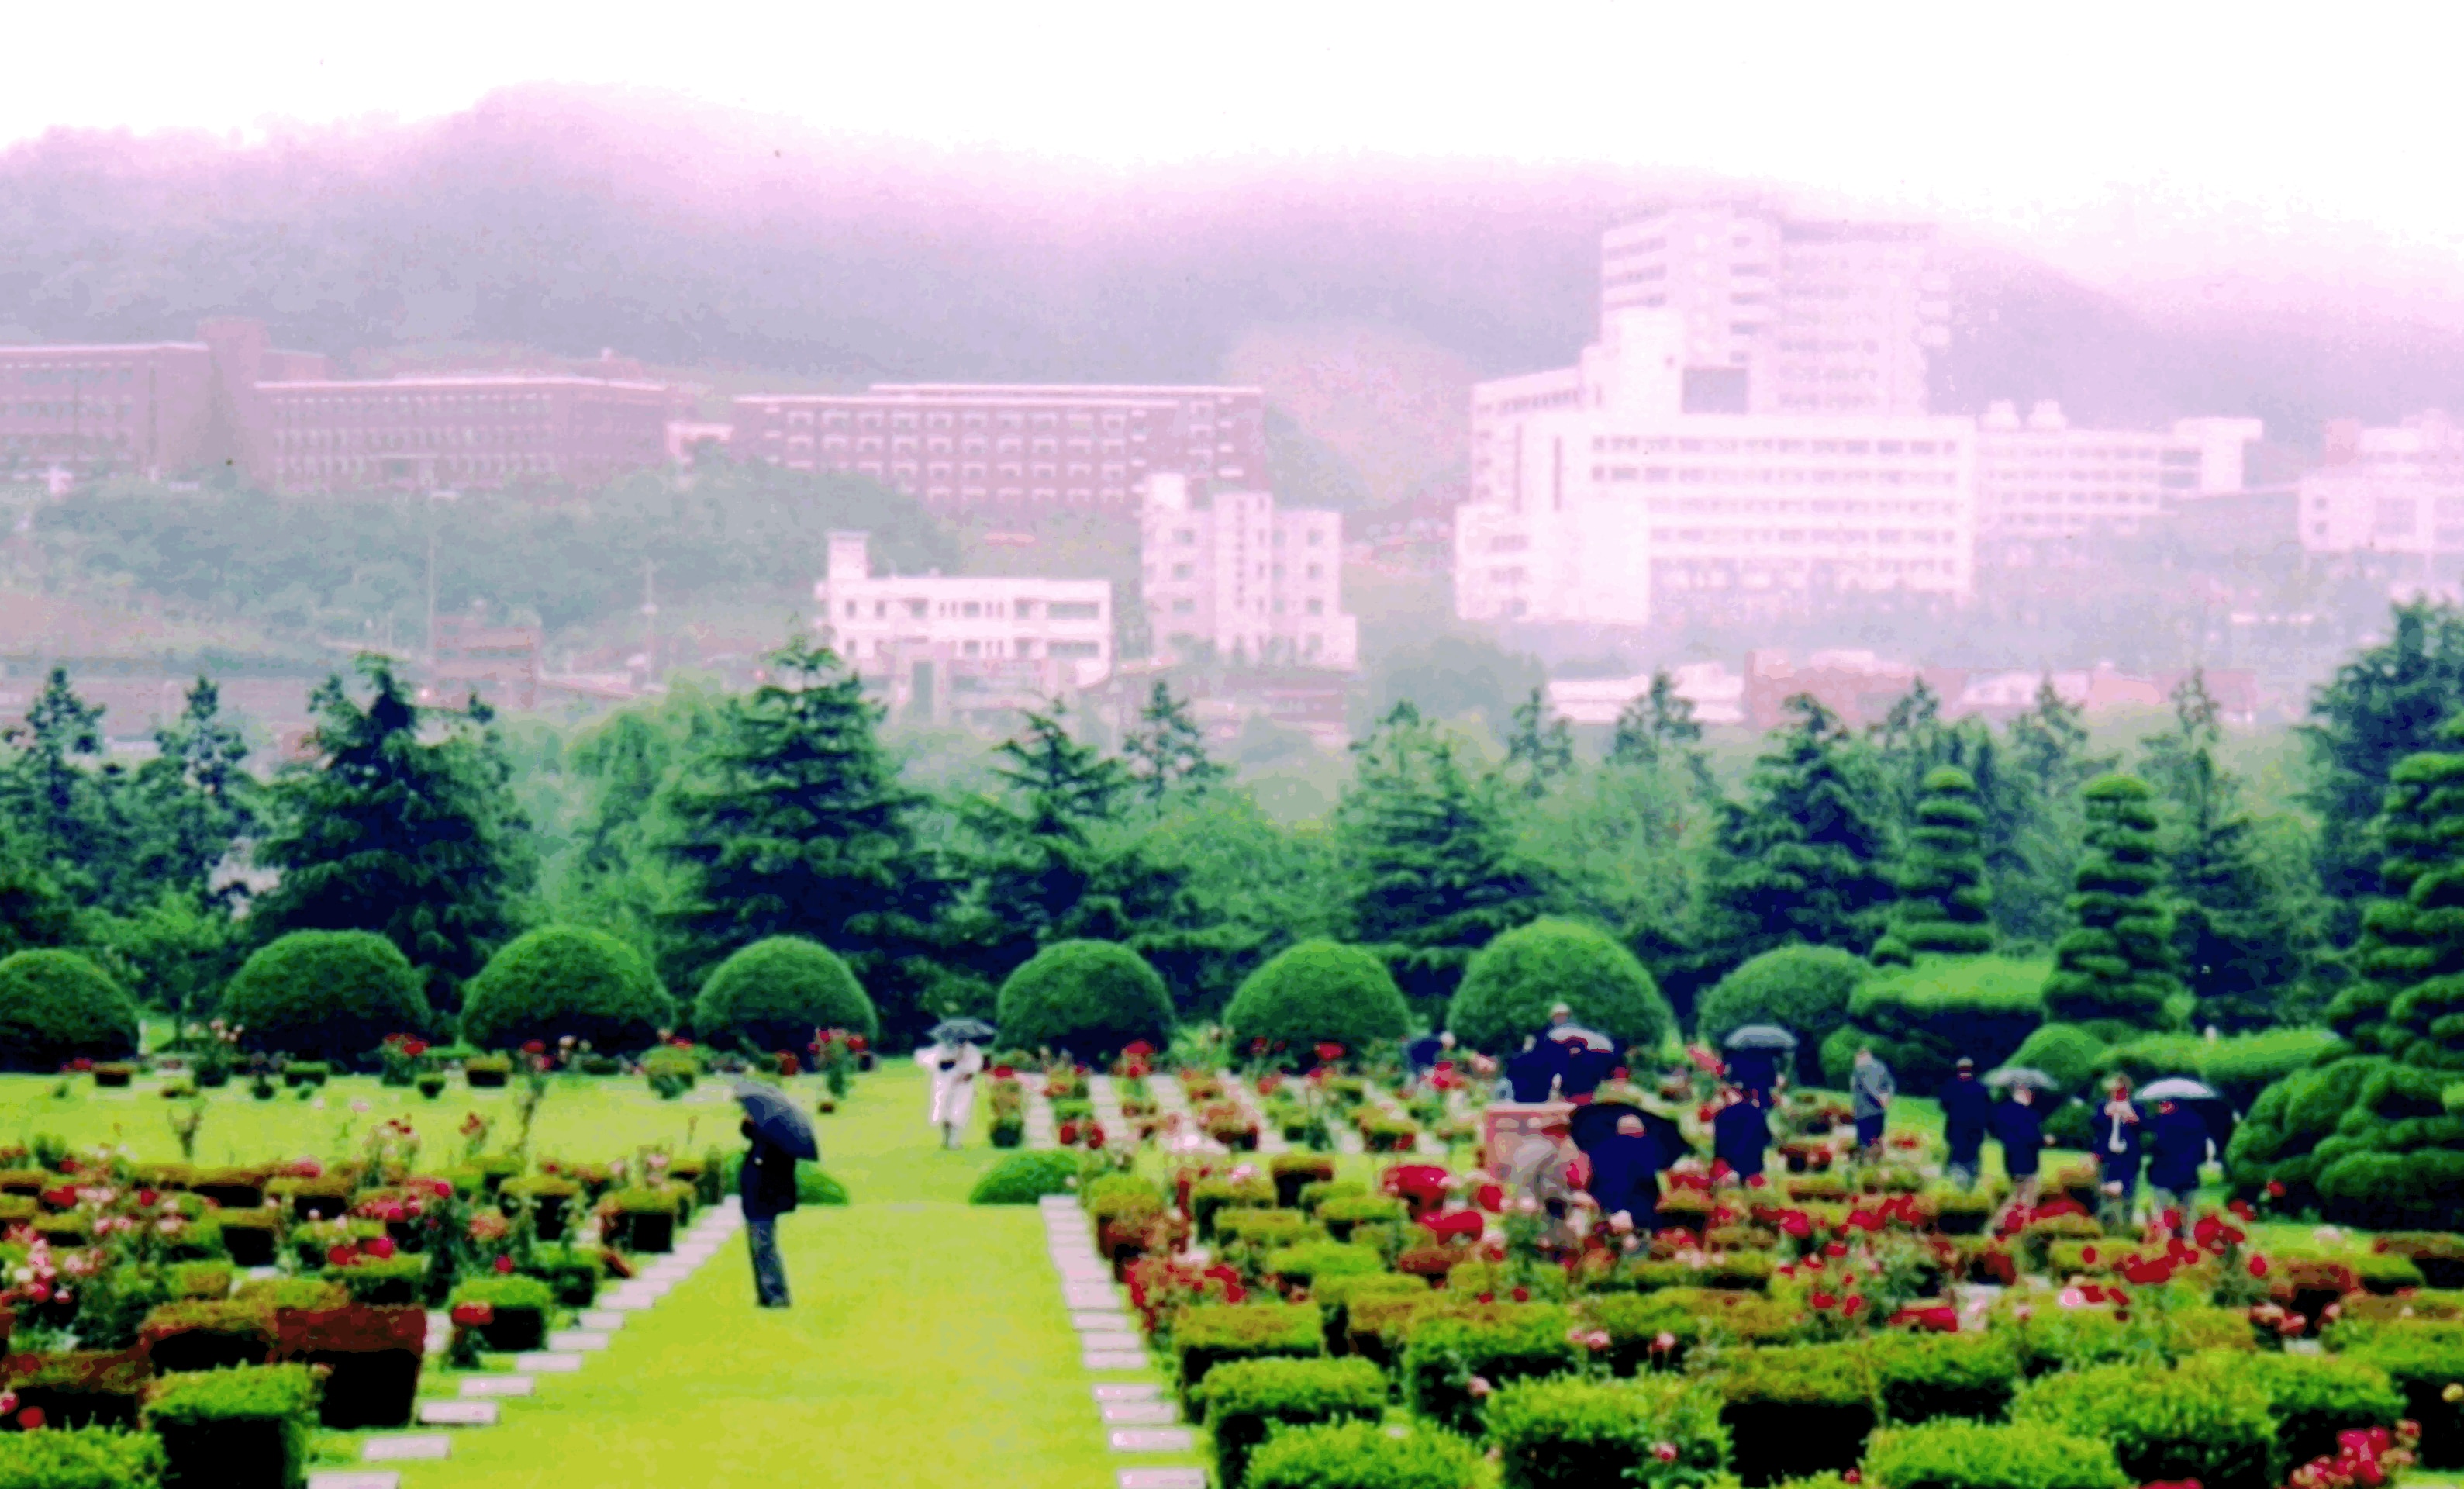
<point>1966,1112</point>
<point>2115,1142</point>
<point>1625,1177</point>
<point>2020,1130</point>
<point>1741,1135</point>
<point>1533,1073</point>
<point>2179,1140</point>
<point>767,1186</point>
<point>1756,1070</point>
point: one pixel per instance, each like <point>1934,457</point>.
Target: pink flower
<point>1664,1452</point>
<point>1479,1386</point>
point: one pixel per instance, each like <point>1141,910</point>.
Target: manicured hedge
<point>1363,1455</point>
<point>1024,1178</point>
<point>1920,1020</point>
<point>567,980</point>
<point>246,1428</point>
<point>1792,1412</point>
<point>1315,992</point>
<point>1511,983</point>
<point>1803,989</point>
<point>1212,1334</point>
<point>1090,997</point>
<point>1573,1434</point>
<point>1919,1377</point>
<point>2367,1140</point>
<point>1957,1455</point>
<point>1245,1399</point>
<point>2065,1051</point>
<point>83,1457</point>
<point>57,1007</point>
<point>774,992</point>
<point>2316,1396</point>
<point>2422,1360</point>
<point>2207,1419</point>
<point>1499,1343</point>
<point>329,995</point>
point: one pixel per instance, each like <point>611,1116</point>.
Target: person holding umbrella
<point>2021,1131</point>
<point>1741,1135</point>
<point>1870,1089</point>
<point>1754,1053</point>
<point>952,1062</point>
<point>2180,1140</point>
<point>1966,1112</point>
<point>778,1135</point>
<point>2116,1145</point>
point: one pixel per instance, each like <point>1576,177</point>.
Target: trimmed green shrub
<point>1919,1377</point>
<point>1246,1399</point>
<point>2241,1066</point>
<point>2205,1419</point>
<point>1363,1455</point>
<point>774,992</point>
<point>1568,1434</point>
<point>57,1007</point>
<point>331,995</point>
<point>1920,1020</point>
<point>1803,989</point>
<point>2422,1360</point>
<point>1344,1213</point>
<point>82,1458</point>
<point>2065,1051</point>
<point>1304,1265</point>
<point>1334,1296</point>
<point>1315,992</point>
<point>1088,997</point>
<point>1512,982</point>
<point>1499,1343</point>
<point>1210,1334</point>
<point>2316,1396</point>
<point>1797,1412</point>
<point>1945,905</point>
<point>1634,1324</point>
<point>389,1281</point>
<point>246,1428</point>
<point>2153,1056</point>
<point>522,1308</point>
<point>199,1334</point>
<point>2115,970</point>
<point>563,979</point>
<point>1955,1454</point>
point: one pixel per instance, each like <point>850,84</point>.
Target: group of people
<point>2173,1141</point>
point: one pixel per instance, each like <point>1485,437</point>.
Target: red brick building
<point>460,431</point>
<point>154,408</point>
<point>972,445</point>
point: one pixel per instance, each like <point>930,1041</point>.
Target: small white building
<point>2041,478</point>
<point>962,649</point>
<point>2395,494</point>
<point>1256,585</point>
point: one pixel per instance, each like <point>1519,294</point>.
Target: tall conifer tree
<point>2113,971</point>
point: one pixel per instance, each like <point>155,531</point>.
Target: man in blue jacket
<point>1966,1112</point>
<point>2180,1143</point>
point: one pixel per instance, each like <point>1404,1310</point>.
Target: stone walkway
<point>1138,1419</point>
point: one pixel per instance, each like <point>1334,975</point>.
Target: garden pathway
<point>926,1348</point>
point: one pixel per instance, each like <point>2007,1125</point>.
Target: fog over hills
<point>684,235</point>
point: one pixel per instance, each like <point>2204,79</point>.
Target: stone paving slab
<point>1141,1413</point>
<point>476,1387</point>
<point>1114,1359</point>
<point>1091,1295</point>
<point>1142,1390</point>
<point>1097,1344</point>
<point>409,1447</point>
<point>1161,1479</point>
<point>563,1339</point>
<point>622,1305</point>
<point>457,1413</point>
<point>1096,1322</point>
<point>547,1363</point>
<point>1154,1439</point>
<point>604,1320</point>
<point>386,1479</point>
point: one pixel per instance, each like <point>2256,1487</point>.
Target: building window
<point>1076,651</point>
<point>1077,610</point>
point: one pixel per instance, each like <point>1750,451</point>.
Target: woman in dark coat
<point>2022,1132</point>
<point>2180,1140</point>
<point>1625,1177</point>
<point>1966,1112</point>
<point>2116,1146</point>
<point>1741,1135</point>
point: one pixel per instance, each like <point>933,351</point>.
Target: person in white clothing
<point>954,1068</point>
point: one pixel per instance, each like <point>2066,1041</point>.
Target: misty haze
<point>1270,751</point>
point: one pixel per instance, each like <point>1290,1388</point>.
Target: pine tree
<point>1541,746</point>
<point>2384,705</point>
<point>2239,940</point>
<point>199,797</point>
<point>1429,854</point>
<point>2031,800</point>
<point>1945,905</point>
<point>1660,727</point>
<point>1807,856</point>
<point>419,840</point>
<point>793,822</point>
<point>2114,972</point>
<point>1168,752</point>
<point>2410,1003</point>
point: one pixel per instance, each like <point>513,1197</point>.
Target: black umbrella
<point>961,1031</point>
<point>1596,1120</point>
<point>1759,1036</point>
<point>775,1118</point>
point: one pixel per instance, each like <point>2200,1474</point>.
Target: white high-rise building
<point>1250,582</point>
<point>1596,495</point>
<point>1780,314</point>
<point>2395,494</point>
<point>2041,479</point>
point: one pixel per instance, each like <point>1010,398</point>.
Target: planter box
<point>375,1355</point>
<point>648,1234</point>
<point>250,1246</point>
<point>107,1076</point>
<point>516,1331</point>
<point>484,1077</point>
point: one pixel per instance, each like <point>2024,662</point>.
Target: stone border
<point>1138,1416</point>
<point>480,1397</point>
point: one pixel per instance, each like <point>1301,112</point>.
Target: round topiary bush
<point>1803,989</point>
<point>1088,997</point>
<point>56,1006</point>
<point>563,979</point>
<point>2065,1051</point>
<point>774,993</point>
<point>1508,987</point>
<point>329,995</point>
<point>1315,992</point>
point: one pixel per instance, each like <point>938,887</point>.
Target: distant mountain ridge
<point>683,234</point>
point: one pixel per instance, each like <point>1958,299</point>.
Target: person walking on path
<point>1741,1135</point>
<point>2180,1139</point>
<point>2116,1145</point>
<point>2021,1130</point>
<point>1870,1089</point>
<point>767,1186</point>
<point>1966,1112</point>
<point>954,1068</point>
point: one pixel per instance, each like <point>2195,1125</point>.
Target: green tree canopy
<point>774,993</point>
<point>1803,989</point>
<point>1945,906</point>
<point>2114,972</point>
<point>331,995</point>
<point>1512,982</point>
<point>1091,998</point>
<point>1315,992</point>
<point>566,980</point>
<point>56,1007</point>
<point>1807,855</point>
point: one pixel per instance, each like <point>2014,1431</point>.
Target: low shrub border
<point>1247,1398</point>
<point>246,1428</point>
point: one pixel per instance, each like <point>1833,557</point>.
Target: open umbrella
<point>776,1118</point>
<point>2176,1088</point>
<point>1577,1036</point>
<point>1759,1036</point>
<point>961,1031</point>
<point>2021,1075</point>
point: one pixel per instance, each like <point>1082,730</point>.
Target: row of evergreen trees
<point>702,823</point>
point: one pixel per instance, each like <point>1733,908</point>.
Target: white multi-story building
<point>2395,494</point>
<point>1596,495</point>
<point>2041,479</point>
<point>949,648</point>
<point>1780,314</point>
<point>1252,583</point>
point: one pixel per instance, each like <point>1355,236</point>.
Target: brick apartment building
<point>970,445</point>
<point>153,407</point>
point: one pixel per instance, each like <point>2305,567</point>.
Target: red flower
<point>2088,1253</point>
<point>1329,1051</point>
<point>1853,1304</point>
<point>2259,1266</point>
<point>2274,1190</point>
<point>474,1315</point>
<point>1822,1300</point>
<point>504,1264</point>
<point>1834,1248</point>
<point>1139,1048</point>
<point>340,1256</point>
<point>535,1047</point>
<point>1521,1295</point>
<point>31,1418</point>
<point>380,1247</point>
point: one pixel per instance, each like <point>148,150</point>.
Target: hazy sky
<point>2082,121</point>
